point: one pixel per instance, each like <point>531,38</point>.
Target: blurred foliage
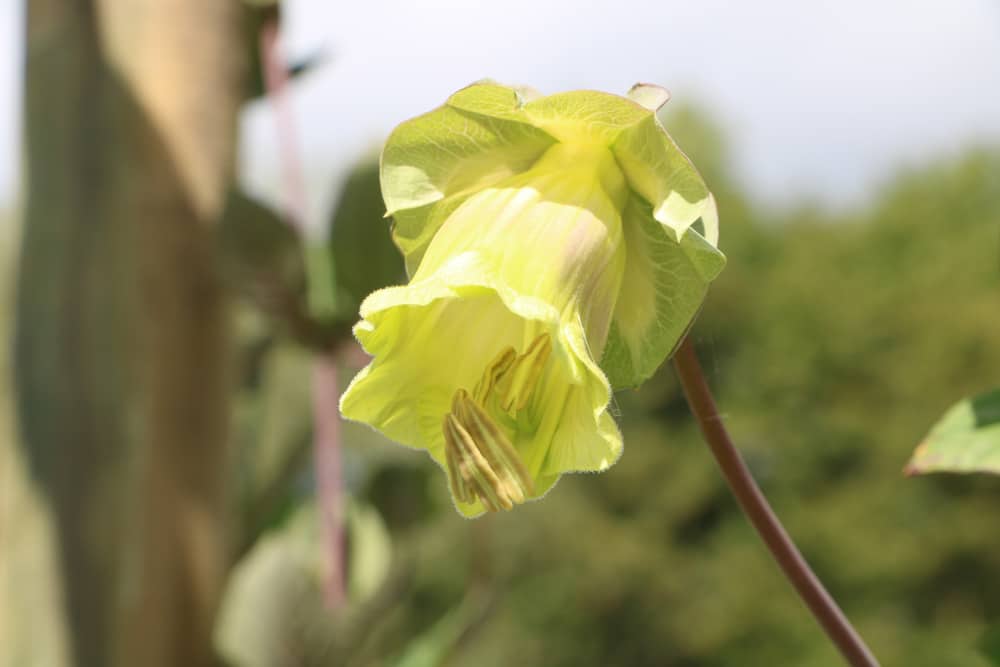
<point>361,248</point>
<point>259,252</point>
<point>273,613</point>
<point>990,644</point>
<point>311,290</point>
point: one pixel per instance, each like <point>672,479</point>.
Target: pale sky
<point>819,99</point>
<point>11,59</point>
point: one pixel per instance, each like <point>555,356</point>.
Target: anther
<point>482,463</point>
<point>518,384</point>
<point>494,372</point>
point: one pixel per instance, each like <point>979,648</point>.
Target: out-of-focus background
<point>183,252</point>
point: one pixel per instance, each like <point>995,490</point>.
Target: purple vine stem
<point>760,514</point>
<point>326,452</point>
<point>325,387</point>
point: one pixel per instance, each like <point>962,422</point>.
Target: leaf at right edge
<point>965,439</point>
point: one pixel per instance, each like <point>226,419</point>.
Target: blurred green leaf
<point>322,282</point>
<point>966,439</point>
<point>273,612</point>
<point>272,423</point>
<point>263,259</point>
<point>360,248</point>
<point>258,250</point>
<point>369,552</point>
<point>432,648</point>
<point>271,594</point>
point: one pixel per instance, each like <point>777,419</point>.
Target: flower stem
<point>763,518</point>
<point>329,476</point>
<point>325,389</point>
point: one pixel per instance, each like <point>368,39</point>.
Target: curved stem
<point>763,518</point>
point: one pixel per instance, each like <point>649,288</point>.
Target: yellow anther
<point>493,373</point>
<point>482,463</point>
<point>517,385</point>
<point>468,471</point>
<point>495,445</point>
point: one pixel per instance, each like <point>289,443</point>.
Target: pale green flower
<point>552,258</point>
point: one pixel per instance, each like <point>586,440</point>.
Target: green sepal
<point>655,167</point>
<point>662,291</point>
<point>661,174</point>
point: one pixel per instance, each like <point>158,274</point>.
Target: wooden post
<point>122,334</point>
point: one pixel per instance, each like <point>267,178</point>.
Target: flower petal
<point>586,438</point>
<point>474,140</point>
<point>427,339</point>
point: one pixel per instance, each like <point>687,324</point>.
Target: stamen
<point>516,386</point>
<point>469,473</point>
<point>494,372</point>
<point>482,463</point>
<point>495,446</point>
<point>459,488</point>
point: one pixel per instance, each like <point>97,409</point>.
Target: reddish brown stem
<point>325,389</point>
<point>763,518</point>
<point>326,452</point>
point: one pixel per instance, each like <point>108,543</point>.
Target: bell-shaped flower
<point>559,247</point>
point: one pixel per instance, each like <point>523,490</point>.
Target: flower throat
<point>482,463</point>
